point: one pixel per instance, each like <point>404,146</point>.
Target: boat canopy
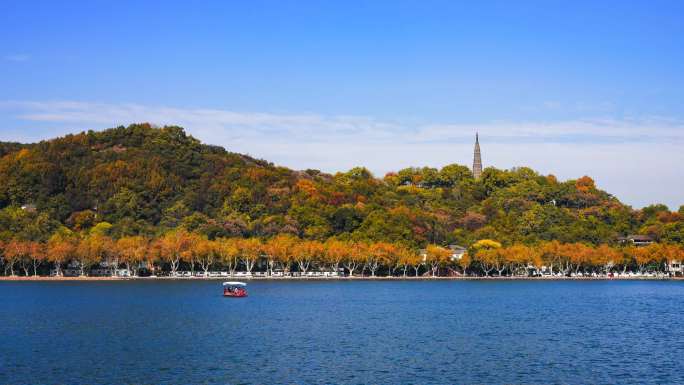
<point>234,284</point>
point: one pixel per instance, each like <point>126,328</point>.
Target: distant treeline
<point>142,181</point>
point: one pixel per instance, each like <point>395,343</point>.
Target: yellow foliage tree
<point>437,256</point>
<point>132,252</point>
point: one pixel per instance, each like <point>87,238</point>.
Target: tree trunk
<point>174,264</point>
<point>249,264</point>
<point>303,266</point>
<point>373,267</point>
<point>351,268</point>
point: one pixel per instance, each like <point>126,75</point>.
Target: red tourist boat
<point>234,289</point>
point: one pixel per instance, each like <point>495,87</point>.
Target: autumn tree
<point>61,247</point>
<point>405,258</point>
<point>487,253</point>
<point>625,258</point>
<point>305,252</point>
<point>355,257</point>
<point>250,251</point>
<point>206,251</point>
<point>173,246</point>
<point>437,256</point>
<point>606,257</point>
<point>416,261</point>
<point>380,253</point>
<point>228,253</point>
<point>550,254</point>
<point>519,257</point>
<point>334,251</point>
<point>37,254</point>
<point>579,255</point>
<point>279,249</point>
<point>15,251</point>
<point>190,254</point>
<point>153,257</point>
<point>646,255</point>
<point>465,262</point>
<point>132,251</point>
<point>91,249</point>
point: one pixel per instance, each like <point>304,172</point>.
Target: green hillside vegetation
<point>147,181</point>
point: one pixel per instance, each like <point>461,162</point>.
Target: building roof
<point>29,207</point>
<point>457,248</point>
<point>637,238</point>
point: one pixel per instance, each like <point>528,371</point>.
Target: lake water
<point>358,332</point>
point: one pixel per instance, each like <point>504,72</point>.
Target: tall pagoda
<point>477,159</point>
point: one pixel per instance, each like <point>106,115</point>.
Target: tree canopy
<point>144,181</point>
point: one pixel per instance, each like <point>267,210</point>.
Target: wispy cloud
<point>316,127</point>
<point>617,152</point>
<point>17,57</point>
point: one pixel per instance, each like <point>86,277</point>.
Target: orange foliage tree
<point>60,249</point>
<point>436,256</point>
<point>279,249</point>
<point>132,252</point>
<point>173,246</point>
<point>305,252</point>
<point>228,252</point>
<point>250,251</point>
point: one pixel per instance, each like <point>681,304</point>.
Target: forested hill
<point>145,180</point>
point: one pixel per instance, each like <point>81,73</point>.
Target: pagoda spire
<point>477,159</point>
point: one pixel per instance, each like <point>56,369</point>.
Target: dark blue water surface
<point>390,332</point>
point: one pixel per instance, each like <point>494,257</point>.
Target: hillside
<point>145,180</point>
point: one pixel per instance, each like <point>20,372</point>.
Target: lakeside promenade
<point>356,278</point>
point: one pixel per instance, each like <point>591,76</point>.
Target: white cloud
<point>636,159</point>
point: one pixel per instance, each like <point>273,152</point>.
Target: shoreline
<point>80,279</point>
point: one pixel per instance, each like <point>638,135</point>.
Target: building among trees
<point>636,240</point>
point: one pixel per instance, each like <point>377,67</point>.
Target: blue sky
<point>569,88</point>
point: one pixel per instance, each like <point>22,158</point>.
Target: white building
<point>636,240</point>
<point>457,252</point>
